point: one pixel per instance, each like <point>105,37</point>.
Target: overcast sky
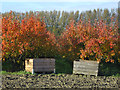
<point>66,5</point>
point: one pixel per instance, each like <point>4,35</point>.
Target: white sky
<point>59,0</point>
<point>62,5</point>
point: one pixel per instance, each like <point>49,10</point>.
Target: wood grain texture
<point>85,67</point>
<point>40,64</point>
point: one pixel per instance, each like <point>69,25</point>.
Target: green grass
<point>13,73</point>
<point>117,75</point>
<point>24,72</point>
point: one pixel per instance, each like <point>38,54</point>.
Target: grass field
<point>24,72</point>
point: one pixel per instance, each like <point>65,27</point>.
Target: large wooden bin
<point>40,65</point>
<point>85,67</point>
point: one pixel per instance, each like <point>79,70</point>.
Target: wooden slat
<point>85,67</point>
<point>44,62</point>
<point>82,64</point>
<point>79,71</point>
<point>86,70</point>
<point>38,64</point>
<point>38,61</point>
<point>28,66</point>
<point>87,73</point>
<point>82,68</point>
<point>43,70</point>
<point>44,66</point>
<point>88,61</point>
<point>85,63</point>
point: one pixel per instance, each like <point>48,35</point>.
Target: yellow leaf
<point>63,56</point>
<point>3,59</point>
<point>81,56</point>
<point>112,54</point>
<point>107,60</point>
<point>18,61</point>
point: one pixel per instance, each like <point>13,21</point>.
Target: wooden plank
<point>44,66</point>
<point>38,69</point>
<point>85,63</point>
<point>75,72</point>
<point>90,73</point>
<point>39,61</point>
<point>29,66</point>
<point>87,67</point>
<point>48,61</point>
<point>88,61</point>
<point>86,70</point>
<point>43,60</point>
<point>83,72</point>
<point>86,73</point>
<point>82,65</point>
<point>43,69</point>
<point>91,69</point>
<point>38,64</point>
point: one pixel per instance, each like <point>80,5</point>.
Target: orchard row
<point>92,41</point>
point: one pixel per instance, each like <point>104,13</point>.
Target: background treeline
<point>56,21</point>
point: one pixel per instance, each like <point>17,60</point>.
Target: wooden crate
<point>40,65</point>
<point>85,67</point>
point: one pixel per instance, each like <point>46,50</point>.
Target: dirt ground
<point>58,81</point>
